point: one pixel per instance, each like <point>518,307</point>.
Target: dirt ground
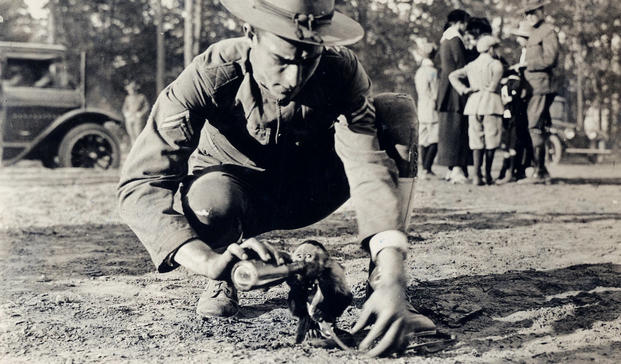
<point>518,273</point>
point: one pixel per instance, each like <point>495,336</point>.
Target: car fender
<point>65,122</point>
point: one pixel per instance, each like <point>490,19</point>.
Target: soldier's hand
<point>248,249</point>
<point>200,258</point>
<point>387,305</point>
<point>394,320</point>
<point>253,247</point>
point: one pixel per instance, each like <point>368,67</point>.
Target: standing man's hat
<point>530,5</point>
<point>523,30</point>
<point>306,21</point>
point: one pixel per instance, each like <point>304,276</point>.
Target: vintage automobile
<point>44,115</point>
<point>566,138</point>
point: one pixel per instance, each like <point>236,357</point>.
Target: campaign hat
<point>523,30</point>
<point>306,21</point>
<point>530,5</point>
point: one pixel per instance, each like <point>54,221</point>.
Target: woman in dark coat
<point>453,141</point>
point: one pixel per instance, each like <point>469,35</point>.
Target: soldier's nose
<point>292,76</point>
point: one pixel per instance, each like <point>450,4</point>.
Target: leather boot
<point>218,300</point>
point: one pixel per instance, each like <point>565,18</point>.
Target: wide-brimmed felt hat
<point>523,30</point>
<point>306,21</point>
<point>486,42</point>
<point>530,5</point>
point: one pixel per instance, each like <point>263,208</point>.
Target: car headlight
<point>592,135</point>
<point>570,133</point>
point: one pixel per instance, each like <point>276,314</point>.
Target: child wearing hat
<point>426,82</point>
<point>484,106</point>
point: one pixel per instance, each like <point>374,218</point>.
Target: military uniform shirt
<point>214,113</point>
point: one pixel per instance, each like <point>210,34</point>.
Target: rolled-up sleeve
<point>157,163</point>
<point>372,175</point>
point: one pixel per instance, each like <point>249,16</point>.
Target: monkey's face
<point>313,253</point>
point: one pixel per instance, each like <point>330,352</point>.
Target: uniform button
<point>297,144</point>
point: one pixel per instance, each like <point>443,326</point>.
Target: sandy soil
<point>518,273</point>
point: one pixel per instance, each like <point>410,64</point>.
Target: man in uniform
<point>541,58</point>
<point>245,141</point>
<point>135,110</point>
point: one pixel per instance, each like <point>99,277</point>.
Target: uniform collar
<point>249,91</point>
<point>451,33</point>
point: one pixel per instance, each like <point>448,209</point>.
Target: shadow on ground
<point>587,181</point>
<point>434,220</point>
<point>516,307</point>
<point>75,251</point>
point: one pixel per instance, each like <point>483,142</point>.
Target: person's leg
<point>477,155</point>
<point>536,125</point>
<point>476,141</point>
<point>489,160</point>
<point>218,206</point>
<point>432,150</point>
<point>424,153</point>
<point>492,127</point>
<point>130,127</point>
<point>505,165</point>
<point>465,150</point>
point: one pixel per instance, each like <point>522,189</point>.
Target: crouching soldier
<point>245,141</point>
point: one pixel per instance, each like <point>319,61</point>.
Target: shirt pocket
<point>261,133</point>
<point>176,129</point>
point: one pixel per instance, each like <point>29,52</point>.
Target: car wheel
<point>49,161</point>
<point>554,150</point>
<point>89,146</point>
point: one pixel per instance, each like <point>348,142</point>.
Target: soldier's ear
<point>248,30</point>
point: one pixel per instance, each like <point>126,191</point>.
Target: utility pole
<point>159,75</point>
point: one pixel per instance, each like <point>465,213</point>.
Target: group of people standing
<point>471,103</point>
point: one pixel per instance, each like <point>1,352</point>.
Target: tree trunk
<point>159,74</point>
<point>51,22</point>
<point>198,19</point>
<point>188,44</point>
<point>580,64</point>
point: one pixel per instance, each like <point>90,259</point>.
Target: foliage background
<point>120,38</point>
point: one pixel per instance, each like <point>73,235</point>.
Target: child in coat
<point>484,106</point>
<point>426,82</point>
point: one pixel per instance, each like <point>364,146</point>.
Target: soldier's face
<point>533,17</point>
<point>282,67</point>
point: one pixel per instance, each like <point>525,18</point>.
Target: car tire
<point>554,150</point>
<point>49,161</point>
<point>89,146</point>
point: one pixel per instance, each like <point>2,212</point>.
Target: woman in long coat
<point>453,135</point>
